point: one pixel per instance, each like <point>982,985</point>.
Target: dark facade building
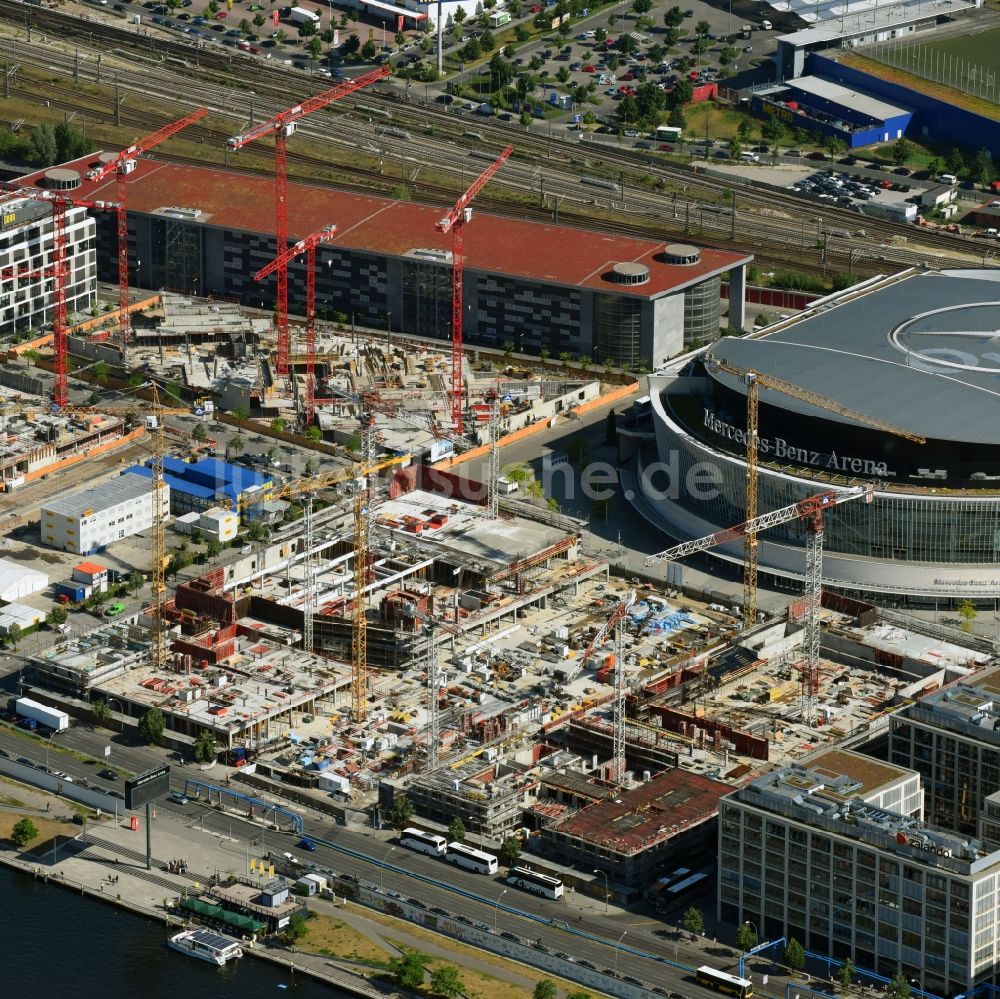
<point>531,285</point>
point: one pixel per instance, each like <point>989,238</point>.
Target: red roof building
<point>535,285</point>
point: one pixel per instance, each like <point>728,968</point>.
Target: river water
<point>60,944</point>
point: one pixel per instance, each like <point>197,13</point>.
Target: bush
<point>798,281</point>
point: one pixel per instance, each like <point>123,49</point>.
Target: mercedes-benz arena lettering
<point>918,351</point>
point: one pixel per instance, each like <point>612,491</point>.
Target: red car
<point>589,69</point>
<point>536,9</point>
<point>221,16</point>
<point>665,148</point>
<point>627,76</point>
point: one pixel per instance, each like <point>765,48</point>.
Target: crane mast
<point>282,126</point>
<point>454,222</point>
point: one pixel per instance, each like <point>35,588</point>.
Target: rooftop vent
<point>62,179</point>
<point>681,254</point>
<point>188,214</point>
<point>629,273</point>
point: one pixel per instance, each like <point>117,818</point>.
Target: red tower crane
<point>454,222</point>
<point>282,260</point>
<point>59,268</point>
<point>123,164</point>
<point>283,125</point>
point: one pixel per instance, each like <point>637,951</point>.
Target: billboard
<point>147,787</point>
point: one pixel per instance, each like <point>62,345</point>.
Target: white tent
<point>17,581</point>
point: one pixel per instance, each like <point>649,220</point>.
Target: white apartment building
<point>26,242</point>
<point>833,852</point>
<point>90,520</point>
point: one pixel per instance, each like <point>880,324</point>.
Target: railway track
<point>771,223</point>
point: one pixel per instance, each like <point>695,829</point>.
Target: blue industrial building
<point>207,483</point>
<point>825,107</point>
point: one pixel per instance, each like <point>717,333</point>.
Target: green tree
<point>151,726</point>
<point>982,168</point>
<point>368,50</point>
<point>956,162</point>
<point>902,150</point>
<point>296,928</point>
<point>199,433</point>
<point>694,921</point>
<point>445,981</point>
<point>702,29</point>
<point>899,987</point>
<point>245,26</point>
<point>735,148</point>
<point>460,15</point>
<point>471,50</point>
<point>744,129</point>
<point>563,74</point>
<point>42,149</point>
<point>746,937</point>
<point>313,433</point>
<point>101,712</point>
<point>135,582</point>
<point>795,956</point>
<point>487,41</point>
<point>772,130</point>
<point>845,974</point>
<point>100,370</point>
<point>255,531</point>
<point>204,747</point>
<point>545,989</point>
<point>56,616</point>
<point>683,92</point>
<point>642,6</point>
<point>14,635</point>
<point>968,613</point>
<point>578,995</point>
<point>400,39</point>
<point>236,444</point>
<point>213,548</point>
<point>456,830</point>
<point>673,17</point>
<point>315,47</point>
<point>510,850</point>
<point>402,812</point>
<point>259,19</point>
<point>409,971</point>
<point>278,425</point>
<point>23,833</point>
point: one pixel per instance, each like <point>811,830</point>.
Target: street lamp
<point>114,700</point>
<point>496,908</point>
<point>606,892</point>
<point>617,946</point>
<point>381,876</point>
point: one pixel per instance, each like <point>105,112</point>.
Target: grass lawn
<point>47,828</point>
<point>333,937</point>
<point>981,48</point>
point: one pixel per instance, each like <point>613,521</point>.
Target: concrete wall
<point>29,775</point>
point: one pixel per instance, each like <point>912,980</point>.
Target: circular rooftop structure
<point>683,254</point>
<point>630,273</point>
<point>62,179</point>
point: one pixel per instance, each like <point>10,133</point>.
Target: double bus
<point>537,884</point>
<point>423,842</point>
<point>723,982</point>
<point>470,859</point>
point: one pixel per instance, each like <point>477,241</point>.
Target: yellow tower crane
<point>305,489</point>
<point>754,381</point>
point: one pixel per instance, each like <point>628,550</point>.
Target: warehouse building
<point>596,295</point>
<point>26,242</point>
<point>90,520</point>
<point>950,738</point>
<point>834,853</point>
<point>208,483</point>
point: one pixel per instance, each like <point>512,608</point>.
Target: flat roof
<point>532,250</point>
<point>867,775</point>
<point>647,814</point>
<point>107,494</point>
<point>917,353</point>
<point>847,97</point>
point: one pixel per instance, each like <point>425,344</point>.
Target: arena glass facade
<point>913,543</point>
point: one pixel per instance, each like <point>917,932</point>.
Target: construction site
<point>371,622</point>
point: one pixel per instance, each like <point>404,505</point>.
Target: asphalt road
<point>376,860</point>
